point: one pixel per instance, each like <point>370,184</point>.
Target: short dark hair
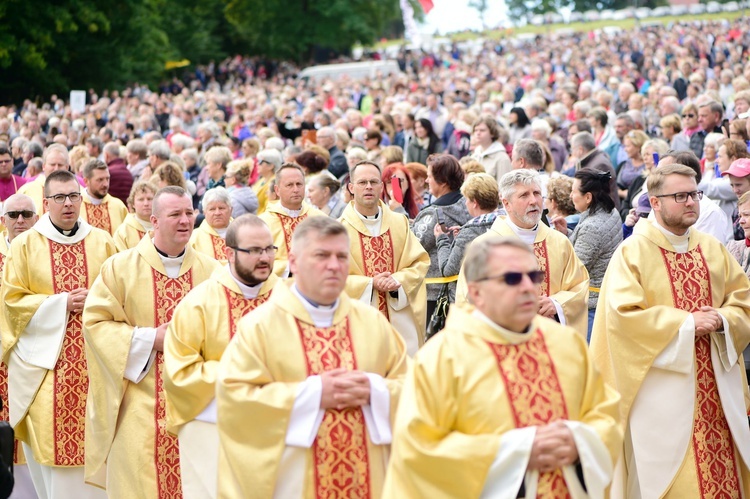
<point>4,149</point>
<point>59,176</point>
<point>597,183</point>
<point>446,170</point>
<point>94,164</point>
<point>246,220</point>
<point>288,166</point>
<point>364,162</point>
<point>582,125</point>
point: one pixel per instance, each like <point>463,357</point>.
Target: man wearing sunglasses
<point>669,333</point>
<point>46,280</point>
<point>503,402</point>
<point>202,325</point>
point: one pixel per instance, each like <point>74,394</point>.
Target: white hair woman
<point>209,237</point>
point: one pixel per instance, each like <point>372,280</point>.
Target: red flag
<point>427,5</point>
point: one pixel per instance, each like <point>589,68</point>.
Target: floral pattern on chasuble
<point>340,459</point>
<point>239,306</point>
<point>713,445</point>
<point>377,255</point>
<point>219,245</point>
<point>535,396</point>
<point>168,292</point>
<point>71,380</point>
<point>288,224</point>
<point>4,412</point>
<point>98,216</point>
<point>540,252</point>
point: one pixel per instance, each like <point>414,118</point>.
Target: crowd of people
<point>478,277</point>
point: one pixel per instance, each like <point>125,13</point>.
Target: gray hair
<point>35,148</point>
<point>478,254</point>
<point>522,176</point>
<point>139,147</point>
<point>217,194</point>
<point>275,143</point>
<point>183,141</point>
<point>541,125</point>
<point>272,156</point>
<point>112,149</point>
<point>52,148</point>
<point>583,139</point>
<point>210,127</point>
<point>192,152</point>
<point>530,150</point>
<point>160,149</point>
<point>218,154</point>
<point>627,119</point>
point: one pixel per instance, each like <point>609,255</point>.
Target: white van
<point>353,70</point>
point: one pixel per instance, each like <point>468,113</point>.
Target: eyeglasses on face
<point>256,250</point>
<point>27,214</point>
<point>60,198</point>
<point>682,197</point>
<point>365,183</point>
<point>515,278</point>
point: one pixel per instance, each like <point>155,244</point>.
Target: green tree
<point>481,7</point>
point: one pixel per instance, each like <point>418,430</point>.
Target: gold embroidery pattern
<point>219,245</point>
<point>340,449</point>
<point>377,254</point>
<point>535,396</point>
<point>71,379</point>
<point>4,412</point>
<point>239,306</point>
<point>540,252</point>
<point>167,294</point>
<point>288,224</point>
<point>713,445</point>
<point>98,216</point>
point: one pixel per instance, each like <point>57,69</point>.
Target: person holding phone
<point>398,193</point>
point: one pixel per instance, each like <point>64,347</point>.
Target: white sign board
<point>78,101</point>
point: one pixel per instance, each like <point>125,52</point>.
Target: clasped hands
<point>707,321</point>
<point>343,389</point>
<point>553,448</point>
<point>385,282</point>
<point>76,299</point>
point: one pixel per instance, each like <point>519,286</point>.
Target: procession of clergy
<point>286,358</point>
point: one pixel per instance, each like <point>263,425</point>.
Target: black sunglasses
<point>24,213</point>
<point>515,278</point>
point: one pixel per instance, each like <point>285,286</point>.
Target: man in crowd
<point>564,290</point>
<point>19,215</point>
<point>583,146</point>
<point>669,334</point>
<point>120,179</point>
<point>306,389</point>
<point>100,208</point>
<point>710,113</point>
<point>474,420</point>
<point>46,280</point>
<point>284,216</point>
<point>128,449</point>
<point>9,183</point>
<point>55,158</point>
<point>388,263</point>
<point>202,325</point>
<point>337,165</point>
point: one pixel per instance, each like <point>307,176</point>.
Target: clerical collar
<point>321,315</point>
<point>370,218</point>
<point>526,235</point>
<point>507,334</point>
<point>145,224</point>
<point>680,243</point>
<point>182,253</point>
<point>290,213</point>
<point>249,292</point>
<point>93,200</point>
<point>66,233</point>
<point>222,232</point>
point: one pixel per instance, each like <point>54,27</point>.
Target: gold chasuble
<point>282,227</point>
<point>566,279</point>
<point>43,342</point>
<point>129,233</point>
<point>276,349</point>
<point>128,449</point>
<point>393,249</point>
<point>206,240</point>
<point>471,402</point>
<point>35,190</point>
<point>108,215</point>
<point>684,398</point>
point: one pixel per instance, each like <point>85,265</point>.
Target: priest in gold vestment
<point>503,403</point>
<point>668,335</point>
<point>209,237</point>
<point>307,387</point>
<point>565,290</point>
<point>55,157</point>
<point>138,223</point>
<point>128,449</point>
<point>202,325</point>
<point>289,211</point>
<point>46,279</point>
<point>100,209</point>
<point>388,264</point>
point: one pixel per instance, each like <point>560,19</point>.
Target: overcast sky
<point>455,15</point>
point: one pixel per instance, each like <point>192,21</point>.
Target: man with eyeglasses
<point>46,280</point>
<point>19,215</point>
<point>9,183</point>
<point>55,158</point>
<point>565,289</point>
<point>388,263</point>
<point>202,326</point>
<point>668,335</point>
<point>287,213</point>
<point>128,449</point>
<point>503,402</point>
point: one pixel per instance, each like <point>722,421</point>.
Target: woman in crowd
<point>481,196</point>
<point>409,206</point>
<point>598,232</point>
<point>716,187</point>
<point>558,202</point>
<point>690,120</point>
<point>489,150</point>
<point>208,238</point>
<point>269,161</point>
<point>138,222</point>
<point>519,125</point>
<point>740,250</point>
<point>418,176</point>
<point>638,186</point>
<point>445,177</point>
<point>671,130</point>
<point>311,163</point>
<point>323,192</point>
<point>634,166</point>
<point>424,144</point>
<point>390,155</point>
<point>217,158</point>
<point>168,173</point>
<point>711,145</point>
<point>244,199</point>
